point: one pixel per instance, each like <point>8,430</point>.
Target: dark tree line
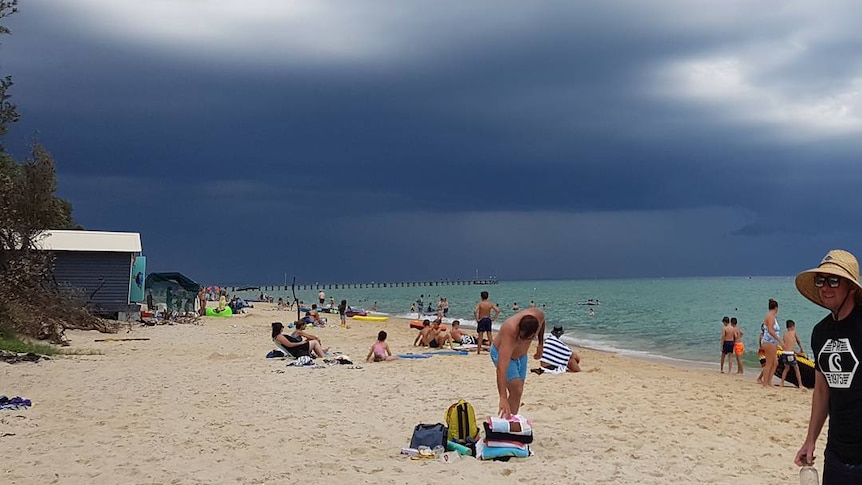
<point>31,304</point>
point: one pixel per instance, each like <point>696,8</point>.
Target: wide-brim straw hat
<point>837,262</point>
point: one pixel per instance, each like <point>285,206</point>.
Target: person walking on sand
<point>770,341</point>
<point>509,354</point>
<point>788,356</point>
<point>484,320</point>
<point>836,348</point>
<point>738,346</point>
<point>342,313</point>
<point>726,343</point>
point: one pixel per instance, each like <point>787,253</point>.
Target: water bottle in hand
<point>808,476</point>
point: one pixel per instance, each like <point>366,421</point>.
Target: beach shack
<point>105,268</point>
<point>175,291</point>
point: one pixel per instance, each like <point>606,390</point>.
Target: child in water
<point>380,350</point>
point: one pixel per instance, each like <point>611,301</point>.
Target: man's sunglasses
<point>833,281</point>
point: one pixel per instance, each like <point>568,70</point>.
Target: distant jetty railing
<point>373,284</point>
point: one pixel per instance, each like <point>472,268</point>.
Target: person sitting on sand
<point>459,336</point>
<point>556,355</point>
<point>315,316</point>
<point>296,346</point>
<point>423,334</point>
<point>300,332</point>
<point>432,336</point>
<point>380,350</point>
<point>222,302</point>
<point>308,318</point>
<point>441,337</point>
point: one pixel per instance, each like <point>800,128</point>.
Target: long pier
<point>345,286</point>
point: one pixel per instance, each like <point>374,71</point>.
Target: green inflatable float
<point>211,312</point>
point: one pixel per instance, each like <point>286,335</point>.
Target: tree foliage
<point>30,303</point>
<point>8,112</point>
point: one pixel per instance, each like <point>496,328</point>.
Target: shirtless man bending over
<point>482,313</point>
<point>509,354</point>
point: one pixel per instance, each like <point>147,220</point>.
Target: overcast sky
<point>358,141</point>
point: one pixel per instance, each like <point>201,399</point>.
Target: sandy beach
<point>199,404</point>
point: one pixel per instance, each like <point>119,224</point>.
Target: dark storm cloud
<point>682,131</point>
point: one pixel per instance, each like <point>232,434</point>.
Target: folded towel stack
<point>505,438</point>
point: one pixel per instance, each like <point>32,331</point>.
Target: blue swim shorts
<point>517,367</point>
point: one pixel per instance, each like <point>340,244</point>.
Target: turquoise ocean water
<point>666,318</point>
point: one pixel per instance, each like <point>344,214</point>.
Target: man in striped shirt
<point>556,355</point>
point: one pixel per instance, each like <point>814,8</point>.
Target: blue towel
<point>14,403</point>
<point>484,452</point>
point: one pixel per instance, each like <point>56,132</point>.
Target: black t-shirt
<point>837,350</point>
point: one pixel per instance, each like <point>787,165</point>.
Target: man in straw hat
<point>836,343</point>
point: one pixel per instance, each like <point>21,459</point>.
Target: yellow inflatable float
<point>369,318</point>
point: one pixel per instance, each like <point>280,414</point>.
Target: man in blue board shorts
<point>509,354</point>
<point>482,314</point>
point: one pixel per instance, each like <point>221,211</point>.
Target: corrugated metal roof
<point>120,242</point>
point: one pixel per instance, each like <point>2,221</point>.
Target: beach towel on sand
<point>485,452</point>
<point>516,428</point>
<point>16,402</point>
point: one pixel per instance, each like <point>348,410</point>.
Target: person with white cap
<point>836,344</point>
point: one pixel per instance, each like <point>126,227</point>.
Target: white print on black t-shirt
<point>838,363</point>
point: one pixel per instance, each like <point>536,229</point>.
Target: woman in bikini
<point>769,343</point>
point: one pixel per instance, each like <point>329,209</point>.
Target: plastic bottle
<point>449,457</point>
<point>438,451</point>
<point>808,476</point>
